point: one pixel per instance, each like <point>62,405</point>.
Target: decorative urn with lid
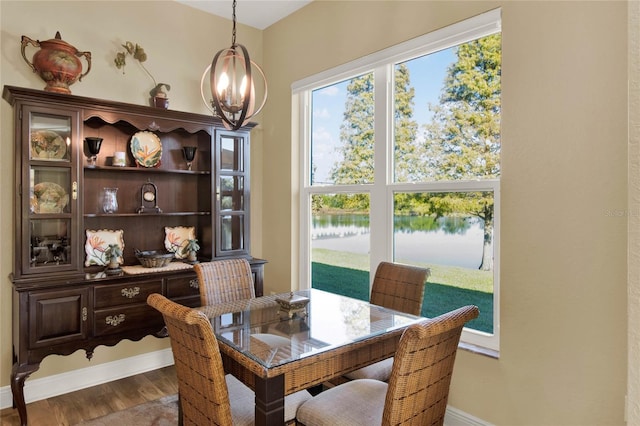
<point>57,63</point>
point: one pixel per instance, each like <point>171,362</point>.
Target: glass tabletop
<point>271,335</point>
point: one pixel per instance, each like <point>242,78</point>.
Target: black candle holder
<point>93,147</point>
<point>189,154</point>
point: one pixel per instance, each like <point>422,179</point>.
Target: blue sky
<point>427,75</point>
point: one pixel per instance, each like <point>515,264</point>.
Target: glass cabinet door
<point>232,210</point>
<point>49,190</point>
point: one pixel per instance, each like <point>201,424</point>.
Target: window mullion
<point>304,240</point>
<point>379,211</point>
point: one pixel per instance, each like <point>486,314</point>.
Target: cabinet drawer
<point>182,286</point>
<point>125,293</point>
<point>125,318</point>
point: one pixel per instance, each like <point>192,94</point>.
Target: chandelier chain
<point>233,34</point>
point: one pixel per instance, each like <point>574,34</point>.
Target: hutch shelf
<point>63,299</point>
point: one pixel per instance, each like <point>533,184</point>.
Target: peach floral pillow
<point>98,242</point>
<point>176,239</point>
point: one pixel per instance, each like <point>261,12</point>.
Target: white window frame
<point>382,190</point>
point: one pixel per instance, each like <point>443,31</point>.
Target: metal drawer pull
<point>194,283</point>
<point>84,313</point>
<point>130,292</point>
<point>115,320</point>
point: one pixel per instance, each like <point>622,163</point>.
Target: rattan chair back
<point>224,281</point>
<point>204,396</point>
<point>422,368</point>
<point>399,287</point>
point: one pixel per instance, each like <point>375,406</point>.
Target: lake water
<point>447,241</point>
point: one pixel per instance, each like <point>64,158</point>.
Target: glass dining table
<point>277,349</point>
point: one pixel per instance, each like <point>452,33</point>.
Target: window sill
<point>491,353</point>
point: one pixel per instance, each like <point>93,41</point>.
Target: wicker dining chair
<point>397,287</point>
<point>206,395</point>
<point>418,388</point>
<point>224,281</point>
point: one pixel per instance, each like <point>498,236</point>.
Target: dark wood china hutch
<point>61,305</point>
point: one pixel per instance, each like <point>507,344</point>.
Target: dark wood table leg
<point>270,401</point>
<point>19,374</point>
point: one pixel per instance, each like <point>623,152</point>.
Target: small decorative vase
<point>57,63</point>
<point>110,202</point>
<point>113,267</point>
<point>191,257</point>
<point>159,102</point>
<point>159,98</point>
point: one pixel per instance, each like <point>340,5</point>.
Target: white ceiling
<point>257,13</point>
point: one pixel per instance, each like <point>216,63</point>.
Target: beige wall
<point>564,269</point>
<point>563,277</point>
<point>633,385</point>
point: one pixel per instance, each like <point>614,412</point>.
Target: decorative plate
<point>98,241</point>
<point>146,149</point>
<point>47,145</point>
<point>48,197</point>
<point>177,238</point>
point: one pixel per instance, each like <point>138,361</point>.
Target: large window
<point>401,155</point>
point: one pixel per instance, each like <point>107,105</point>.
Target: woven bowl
<point>154,258</point>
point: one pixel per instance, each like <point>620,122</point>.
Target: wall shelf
<point>88,168</point>
<point>139,215</point>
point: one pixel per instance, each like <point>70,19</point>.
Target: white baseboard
<point>455,417</point>
<point>58,384</point>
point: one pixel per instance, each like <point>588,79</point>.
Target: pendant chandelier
<point>232,79</point>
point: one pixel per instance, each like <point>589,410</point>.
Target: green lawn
<point>447,288</point>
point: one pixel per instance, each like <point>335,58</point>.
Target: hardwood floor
<point>86,404</point>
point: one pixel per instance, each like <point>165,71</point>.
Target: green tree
<point>357,137</point>
<point>463,141</point>
<point>356,134</point>
<point>464,138</point>
<point>408,154</point>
